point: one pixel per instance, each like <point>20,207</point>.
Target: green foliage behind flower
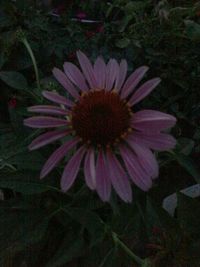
<point>40,226</point>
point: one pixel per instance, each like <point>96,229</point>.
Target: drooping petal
<point>55,97</point>
<point>135,171</point>
<point>64,81</point>
<point>57,156</point>
<point>133,81</point>
<point>47,138</point>
<point>123,66</point>
<point>146,158</point>
<point>151,121</point>
<point>44,122</point>
<point>118,177</point>
<point>89,169</point>
<point>75,75</point>
<point>46,109</point>
<point>103,183</point>
<point>100,72</point>
<point>87,69</point>
<point>157,141</point>
<point>112,71</point>
<point>144,90</point>
<point>72,168</point>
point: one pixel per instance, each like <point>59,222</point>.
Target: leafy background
<point>40,226</point>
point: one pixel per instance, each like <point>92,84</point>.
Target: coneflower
<point>113,142</point>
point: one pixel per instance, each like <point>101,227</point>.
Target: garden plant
<point>100,133</point>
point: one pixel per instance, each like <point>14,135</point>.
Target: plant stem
<point>127,250</point>
<point>28,47</point>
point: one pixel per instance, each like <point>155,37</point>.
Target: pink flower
<point>113,142</point>
<point>59,10</point>
<point>12,103</point>
<point>81,15</point>
<point>100,28</point>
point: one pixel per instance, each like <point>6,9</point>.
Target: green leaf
<point>26,160</point>
<point>135,6</point>
<point>188,210</point>
<point>188,164</point>
<point>89,220</point>
<point>21,228</point>
<point>122,43</point>
<point>124,23</point>
<point>2,59</point>
<point>157,216</point>
<point>68,250</point>
<point>186,145</point>
<point>24,183</point>
<point>192,29</point>
<point>14,79</point>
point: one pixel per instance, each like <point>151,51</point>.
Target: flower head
<point>113,142</point>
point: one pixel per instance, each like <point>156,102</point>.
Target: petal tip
<point>42,174</point>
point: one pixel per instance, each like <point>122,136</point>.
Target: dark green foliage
<point>40,225</point>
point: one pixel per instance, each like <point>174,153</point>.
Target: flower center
<point>101,118</point>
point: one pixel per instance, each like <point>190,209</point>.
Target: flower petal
<point>71,169</point>
<point>133,81</point>
<point>152,121</point>
<point>100,72</point>
<point>146,158</point>
<point>103,184</point>
<point>44,122</point>
<point>47,138</point>
<point>48,110</point>
<point>144,90</point>
<point>57,156</point>
<point>55,97</point>
<point>64,81</point>
<point>87,69</point>
<point>157,141</point>
<point>118,177</point>
<point>75,76</point>
<point>89,169</point>
<point>112,71</point>
<point>123,66</point>
<point>135,171</point>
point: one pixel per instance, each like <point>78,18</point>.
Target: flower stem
<point>28,47</point>
<point>132,255</point>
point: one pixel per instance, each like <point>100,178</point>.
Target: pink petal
<point>119,178</point>
<point>102,178</point>
<point>75,76</point>
<point>48,109</point>
<point>44,122</point>
<point>100,72</point>
<point>135,171</point>
<point>112,71</point>
<point>71,169</point>
<point>152,121</point>
<point>144,90</point>
<point>64,81</point>
<point>133,81</point>
<point>89,169</point>
<point>146,158</point>
<point>57,156</point>
<point>55,97</point>
<point>123,66</point>
<point>157,141</point>
<point>87,69</point>
<point>47,138</point>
